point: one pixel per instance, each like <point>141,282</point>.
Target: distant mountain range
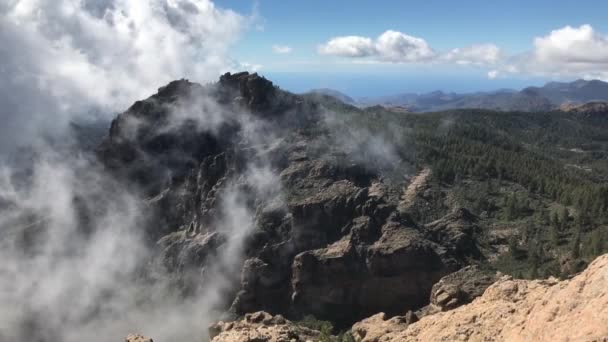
<point>553,95</point>
<point>334,93</point>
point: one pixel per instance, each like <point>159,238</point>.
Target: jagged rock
<point>332,243</point>
<point>516,310</point>
<point>261,326</point>
<point>461,287</point>
<point>373,328</point>
<point>137,338</point>
<point>252,90</point>
<point>351,279</point>
<point>456,231</point>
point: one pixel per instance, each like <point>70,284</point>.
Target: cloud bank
<point>565,52</point>
<point>61,59</point>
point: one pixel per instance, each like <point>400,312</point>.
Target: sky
<point>286,41</point>
<point>60,59</point>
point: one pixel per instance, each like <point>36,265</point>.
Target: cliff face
<point>323,232</point>
<point>509,310</point>
<point>513,310</point>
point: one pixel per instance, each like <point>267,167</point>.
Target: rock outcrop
<point>261,326</point>
<point>512,310</point>
<point>328,237</point>
<point>137,338</point>
<point>460,287</point>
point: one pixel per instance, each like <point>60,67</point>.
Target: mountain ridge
<point>551,96</point>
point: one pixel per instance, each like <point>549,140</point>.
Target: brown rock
<point>461,287</point>
<point>373,328</point>
<point>261,326</point>
<point>514,310</point>
<point>350,279</point>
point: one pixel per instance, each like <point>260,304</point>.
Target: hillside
<point>553,95</point>
<point>347,204</point>
<point>333,93</point>
<point>241,197</point>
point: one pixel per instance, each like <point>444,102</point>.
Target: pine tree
<point>576,244</point>
<point>597,242</point>
<point>554,236</point>
<point>564,216</point>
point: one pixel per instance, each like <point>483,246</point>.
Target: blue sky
<point>511,26</point>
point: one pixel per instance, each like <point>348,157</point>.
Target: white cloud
<point>568,52</point>
<point>482,54</point>
<point>399,47</point>
<point>66,56</point>
<point>390,46</point>
<point>348,46</point>
<point>571,45</point>
<point>282,49</point>
<point>493,74</point>
<point>250,66</point>
<point>565,52</point>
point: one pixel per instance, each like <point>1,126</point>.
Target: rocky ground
<point>509,310</point>
<point>261,326</point>
<point>512,310</point>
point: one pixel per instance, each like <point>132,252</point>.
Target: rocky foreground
<point>509,310</point>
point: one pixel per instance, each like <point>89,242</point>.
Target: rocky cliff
<point>288,213</point>
<point>509,310</point>
<point>323,231</point>
<point>512,310</point>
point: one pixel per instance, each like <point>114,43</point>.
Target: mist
<point>77,264</point>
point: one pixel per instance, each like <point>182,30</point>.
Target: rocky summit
<point>302,216</point>
<point>331,243</point>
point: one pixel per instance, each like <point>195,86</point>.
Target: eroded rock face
<point>514,310</point>
<point>261,326</point>
<point>352,278</point>
<point>328,240</point>
<point>373,328</point>
<point>461,287</point>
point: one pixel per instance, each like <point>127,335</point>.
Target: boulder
<point>261,326</point>
<point>461,287</point>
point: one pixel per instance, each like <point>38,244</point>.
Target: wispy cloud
<point>480,54</point>
<point>68,56</point>
<point>282,49</point>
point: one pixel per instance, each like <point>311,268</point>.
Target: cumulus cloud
<point>574,46</point>
<point>482,54</point>
<point>282,49</point>
<point>564,52</point>
<point>397,47</point>
<point>390,46</point>
<point>60,58</point>
<point>348,46</point>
